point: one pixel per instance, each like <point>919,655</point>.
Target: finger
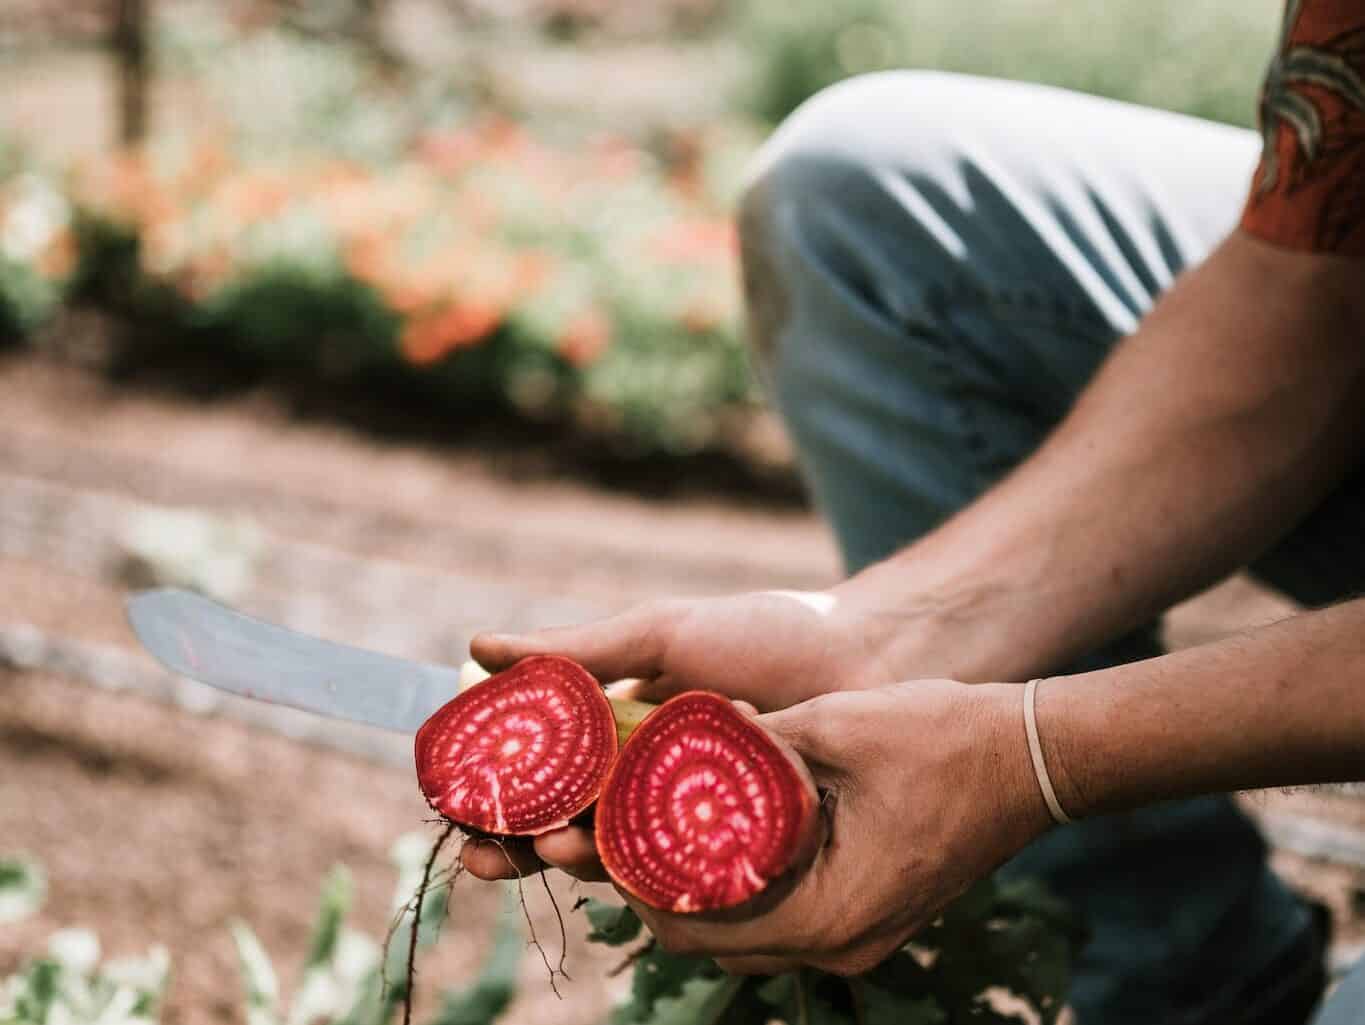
<point>757,965</point>
<point>498,859</point>
<point>788,930</point>
<point>660,689</point>
<point>573,851</point>
<point>631,644</point>
<point>652,690</point>
<point>810,728</point>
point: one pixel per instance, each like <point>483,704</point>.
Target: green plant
<point>36,250</point>
<point>1000,948</point>
<point>1156,53</point>
<point>487,268</point>
<point>350,978</point>
<point>22,888</point>
<point>68,985</point>
<point>798,50</point>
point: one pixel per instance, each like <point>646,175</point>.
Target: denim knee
<point>823,189</point>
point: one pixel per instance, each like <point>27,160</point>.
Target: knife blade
<point>199,638</point>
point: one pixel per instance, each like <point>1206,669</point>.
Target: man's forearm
<point>1282,706</point>
<point>1226,418</point>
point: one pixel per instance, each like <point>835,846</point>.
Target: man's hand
<point>928,788</point>
<point>772,648</point>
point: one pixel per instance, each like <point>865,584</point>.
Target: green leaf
<point>22,888</point>
<point>700,1001</point>
<point>1031,897</point>
<point>659,975</point>
<point>38,989</point>
<point>611,924</point>
<point>489,995</point>
<point>888,1007</point>
<point>1015,936</point>
<point>332,908</point>
<point>805,997</point>
<point>261,987</point>
<point>374,1004</point>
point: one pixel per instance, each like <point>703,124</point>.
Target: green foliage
<point>69,986</point>
<point>660,977</point>
<point>999,942</point>
<point>800,49</point>
<point>27,299</point>
<point>343,979</point>
<point>35,240</point>
<point>22,888</point>
<point>612,924</point>
<point>261,989</point>
<point>1155,53</point>
<point>490,994</point>
<point>292,315</point>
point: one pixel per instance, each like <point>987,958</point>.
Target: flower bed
<point>596,283</point>
<point>37,252</point>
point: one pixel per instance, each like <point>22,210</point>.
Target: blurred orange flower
<point>700,317</point>
<point>696,241</point>
<point>58,258</point>
<point>429,338</point>
<point>585,337</point>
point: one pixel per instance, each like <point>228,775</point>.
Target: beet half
<point>522,753</point>
<point>704,809</point>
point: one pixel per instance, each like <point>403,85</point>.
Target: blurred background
<point>394,320</point>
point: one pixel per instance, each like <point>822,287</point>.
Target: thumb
<point>631,644</point>
<point>810,728</point>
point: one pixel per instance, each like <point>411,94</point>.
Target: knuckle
<point>809,727</point>
<point>659,618</point>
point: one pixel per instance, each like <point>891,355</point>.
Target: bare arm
<point>1283,706</point>
<point>1229,415</point>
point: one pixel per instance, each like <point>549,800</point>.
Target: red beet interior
<point>702,809</point>
<point>522,752</point>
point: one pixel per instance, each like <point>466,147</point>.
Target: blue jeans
<point>935,265</point>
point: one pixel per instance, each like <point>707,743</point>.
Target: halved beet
<point>521,753</point>
<point>704,808</point>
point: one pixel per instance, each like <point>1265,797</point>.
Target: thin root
<point>559,917</point>
<point>417,921</point>
<point>530,925</point>
<point>445,877</point>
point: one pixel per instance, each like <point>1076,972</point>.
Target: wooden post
<point>132,54</point>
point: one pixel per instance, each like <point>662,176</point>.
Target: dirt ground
<point>159,825</point>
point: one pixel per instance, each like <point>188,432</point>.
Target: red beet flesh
<point>704,808</point>
<point>521,753</point>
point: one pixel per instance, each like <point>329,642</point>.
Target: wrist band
<point>1035,750</point>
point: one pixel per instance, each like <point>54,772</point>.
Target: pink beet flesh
<point>522,753</point>
<point>703,808</point>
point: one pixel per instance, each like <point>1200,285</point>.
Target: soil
<point>156,826</point>
<point>160,825</point>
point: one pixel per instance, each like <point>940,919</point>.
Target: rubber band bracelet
<point>1035,750</point>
